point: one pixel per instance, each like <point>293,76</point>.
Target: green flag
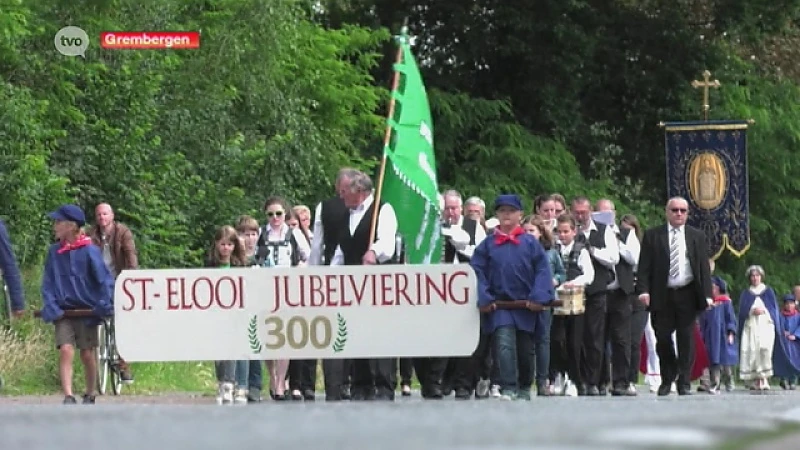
<point>409,182</point>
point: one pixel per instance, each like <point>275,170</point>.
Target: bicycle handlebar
<point>70,313</point>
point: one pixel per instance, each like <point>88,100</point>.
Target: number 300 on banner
<point>298,332</point>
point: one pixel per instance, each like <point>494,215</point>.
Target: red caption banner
<point>149,40</point>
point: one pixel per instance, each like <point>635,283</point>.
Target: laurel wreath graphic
<point>341,334</point>
<point>252,332</point>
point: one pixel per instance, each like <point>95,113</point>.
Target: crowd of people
<point>572,301</point>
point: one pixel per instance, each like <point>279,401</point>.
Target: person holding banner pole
<point>328,216</point>
<point>368,238</point>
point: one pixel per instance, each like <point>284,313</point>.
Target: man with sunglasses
<point>674,281</point>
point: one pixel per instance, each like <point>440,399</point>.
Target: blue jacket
<point>11,275</point>
<point>557,266</point>
<point>77,279</point>
<point>513,272</point>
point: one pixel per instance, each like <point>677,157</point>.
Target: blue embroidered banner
<point>707,165</point>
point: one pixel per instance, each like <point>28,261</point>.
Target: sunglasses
<point>274,214</point>
<point>679,210</point>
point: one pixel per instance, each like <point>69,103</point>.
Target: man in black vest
<point>619,307</point>
<point>328,216</point>
<point>602,245</point>
<point>372,378</point>
<point>461,236</point>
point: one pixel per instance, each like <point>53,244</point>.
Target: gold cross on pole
<point>705,84</point>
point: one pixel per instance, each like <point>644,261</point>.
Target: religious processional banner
<point>410,184</point>
<point>707,165</point>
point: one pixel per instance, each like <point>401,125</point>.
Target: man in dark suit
<point>675,282</point>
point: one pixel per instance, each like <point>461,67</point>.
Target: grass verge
<point>29,359</point>
<point>761,440</point>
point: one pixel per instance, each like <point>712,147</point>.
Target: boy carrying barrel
<point>514,285</point>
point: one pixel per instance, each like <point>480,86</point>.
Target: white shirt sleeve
<point>608,256</point>
<point>302,244</point>
<point>315,252</point>
<point>386,233</point>
<point>630,249</point>
<point>480,235</point>
<point>585,263</point>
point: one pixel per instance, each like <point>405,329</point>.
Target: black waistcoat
<point>333,213</point>
<point>624,269</point>
<point>356,244</point>
<point>571,261</point>
<point>602,274</point>
<point>469,225</point>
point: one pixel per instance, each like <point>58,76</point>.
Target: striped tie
<point>674,256</point>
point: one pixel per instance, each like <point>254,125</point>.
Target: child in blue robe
<point>718,326</point>
<point>514,285</point>
<point>790,322</point>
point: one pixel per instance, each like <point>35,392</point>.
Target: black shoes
<point>86,400</point>
<point>463,394</point>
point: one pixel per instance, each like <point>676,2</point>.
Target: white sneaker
<point>569,389</point>
<point>558,385</point>
<point>219,393</point>
<point>225,396</point>
<point>653,388</point>
<point>482,389</point>
<point>673,388</point>
<point>495,391</point>
<point>631,389</point>
<point>241,397</point>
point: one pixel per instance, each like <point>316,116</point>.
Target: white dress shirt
<point>629,251</point>
<point>685,275</point>
<point>385,233</point>
<point>584,262</point>
<point>609,255</point>
<point>460,238</point>
<point>315,258</point>
<point>283,255</point>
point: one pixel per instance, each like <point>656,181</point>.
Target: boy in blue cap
<point>514,285</point>
<point>75,277</point>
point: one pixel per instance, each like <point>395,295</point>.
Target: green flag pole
<point>386,137</point>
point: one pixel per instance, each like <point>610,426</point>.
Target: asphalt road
<point>184,422</point>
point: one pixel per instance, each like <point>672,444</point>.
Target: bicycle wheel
<point>102,359</point>
<point>116,368</point>
<point>7,312</point>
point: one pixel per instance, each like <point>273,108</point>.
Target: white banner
<point>296,313</point>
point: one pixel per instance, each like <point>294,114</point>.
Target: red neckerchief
<point>789,314</point>
<point>721,299</point>
<point>82,241</point>
<point>501,238</point>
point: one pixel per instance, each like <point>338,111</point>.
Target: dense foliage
<point>528,96</point>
